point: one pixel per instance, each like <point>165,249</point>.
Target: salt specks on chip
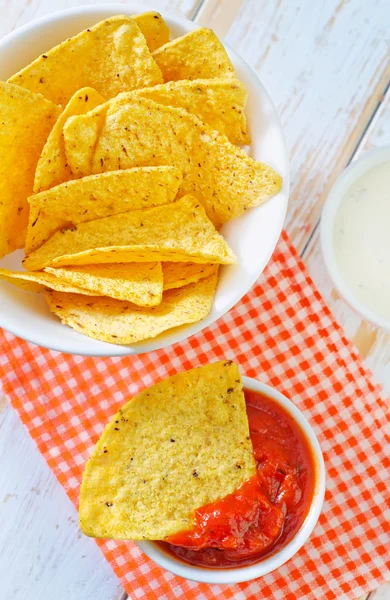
<point>153,28</point>
<point>119,322</point>
<point>138,236</point>
<point>140,283</point>
<point>138,131</point>
<point>218,102</point>
<point>26,121</point>
<point>197,55</point>
<point>98,196</point>
<point>111,57</point>
<point>180,444</point>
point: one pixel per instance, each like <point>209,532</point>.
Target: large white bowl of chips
<point>253,236</point>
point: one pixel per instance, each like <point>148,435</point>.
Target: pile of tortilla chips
<point>118,165</point>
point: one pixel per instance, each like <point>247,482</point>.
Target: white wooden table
<point>325,64</point>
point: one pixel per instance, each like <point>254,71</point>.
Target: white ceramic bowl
<point>353,172</point>
<point>236,575</point>
<point>253,236</point>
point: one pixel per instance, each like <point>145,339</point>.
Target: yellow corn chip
<point>52,168</point>
<point>111,57</point>
<point>177,275</point>
<point>175,447</point>
<point>178,232</point>
<point>37,282</point>
<point>26,121</point>
<point>197,55</point>
<point>98,196</point>
<point>119,322</point>
<point>81,134</point>
<point>140,283</point>
<point>154,29</point>
<point>40,227</point>
<point>222,176</point>
<point>218,102</point>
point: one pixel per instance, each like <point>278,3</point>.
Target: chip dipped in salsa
<point>268,509</point>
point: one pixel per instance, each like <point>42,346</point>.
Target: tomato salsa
<point>266,511</point>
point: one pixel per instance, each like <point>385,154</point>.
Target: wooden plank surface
<point>42,552</point>
<point>324,64</point>
<point>373,343</point>
<point>326,67</point>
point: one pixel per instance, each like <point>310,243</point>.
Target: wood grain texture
<point>42,551</point>
<point>373,343</point>
<point>325,66</point>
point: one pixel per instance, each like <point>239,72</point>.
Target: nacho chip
<point>111,57</point>
<point>98,196</point>
<point>197,55</point>
<point>218,102</point>
<point>222,176</point>
<point>140,283</point>
<point>38,282</point>
<point>26,121</point>
<point>81,134</point>
<point>178,232</point>
<point>154,29</point>
<point>52,168</point>
<point>119,322</point>
<point>175,447</point>
<point>177,275</point>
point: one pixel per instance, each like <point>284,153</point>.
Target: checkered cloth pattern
<point>281,333</point>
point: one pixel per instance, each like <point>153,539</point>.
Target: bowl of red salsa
<point>270,516</point>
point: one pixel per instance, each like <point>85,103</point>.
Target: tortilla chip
<point>154,29</point>
<point>218,102</point>
<point>119,322</point>
<point>175,447</point>
<point>98,196</point>
<point>81,134</point>
<point>111,57</point>
<point>177,275</point>
<point>140,283</point>
<point>178,232</point>
<point>38,282</point>
<point>26,121</point>
<point>197,55</point>
<point>52,168</point>
<point>222,176</point>
<point>40,227</point>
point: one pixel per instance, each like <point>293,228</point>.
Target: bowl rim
<point>184,332</point>
<point>350,175</point>
<point>241,574</point>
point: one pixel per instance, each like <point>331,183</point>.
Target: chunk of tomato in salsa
<point>267,510</point>
<point>245,521</point>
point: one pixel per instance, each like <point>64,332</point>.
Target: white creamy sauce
<point>361,239</point>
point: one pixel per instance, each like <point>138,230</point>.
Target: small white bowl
<point>352,173</point>
<point>237,575</point>
<point>253,236</point>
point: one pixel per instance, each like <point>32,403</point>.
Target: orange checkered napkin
<point>283,334</point>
